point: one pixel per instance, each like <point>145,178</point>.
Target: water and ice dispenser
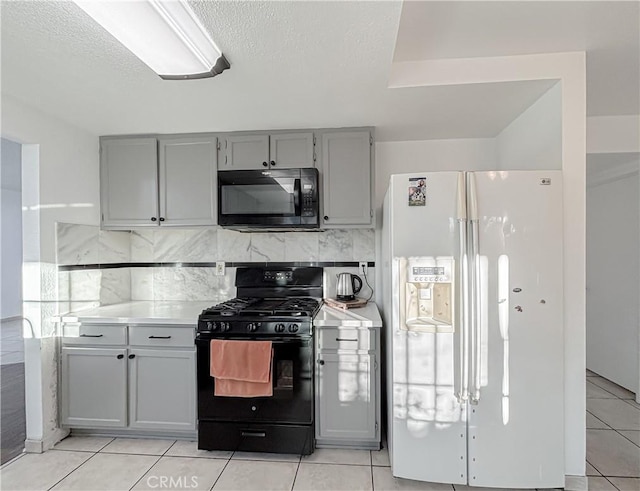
<point>427,294</point>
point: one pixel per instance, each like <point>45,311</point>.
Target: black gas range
<point>277,305</point>
<point>254,316</point>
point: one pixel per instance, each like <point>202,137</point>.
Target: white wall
<point>69,188</point>
<point>613,267</point>
<point>534,139</point>
<point>60,183</point>
<point>11,234</point>
<point>613,134</point>
<point>429,156</point>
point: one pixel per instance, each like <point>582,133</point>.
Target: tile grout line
<point>607,390</point>
<point>152,465</point>
<point>222,471</point>
<point>75,469</point>
<point>293,484</point>
<point>373,488</point>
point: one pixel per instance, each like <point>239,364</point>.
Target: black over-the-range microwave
<point>268,199</point>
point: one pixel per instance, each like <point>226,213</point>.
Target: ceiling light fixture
<point>166,35</point>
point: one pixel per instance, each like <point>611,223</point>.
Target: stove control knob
<point>279,328</point>
<point>209,326</point>
<point>293,327</point>
<point>251,327</point>
<point>214,326</point>
<point>224,326</point>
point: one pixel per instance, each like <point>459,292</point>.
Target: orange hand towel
<point>241,368</point>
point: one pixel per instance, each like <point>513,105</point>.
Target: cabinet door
<point>291,150</point>
<point>162,389</point>
<point>129,182</point>
<point>345,397</point>
<point>246,152</point>
<point>188,168</point>
<point>94,387</point>
<point>346,178</point>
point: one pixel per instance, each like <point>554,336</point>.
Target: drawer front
<point>95,334</point>
<point>162,336</point>
<point>346,339</point>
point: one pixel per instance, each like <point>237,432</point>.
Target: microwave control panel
<point>309,193</point>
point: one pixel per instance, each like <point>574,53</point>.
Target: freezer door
<point>516,434</point>
<point>427,424</point>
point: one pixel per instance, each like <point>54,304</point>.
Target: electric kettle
<point>348,286</point>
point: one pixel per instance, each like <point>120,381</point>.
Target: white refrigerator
<point>473,307</point>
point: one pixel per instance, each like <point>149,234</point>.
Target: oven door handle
<point>296,196</point>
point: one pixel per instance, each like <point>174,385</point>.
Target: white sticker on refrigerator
<point>417,191</point>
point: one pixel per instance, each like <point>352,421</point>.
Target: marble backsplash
<point>88,245</point>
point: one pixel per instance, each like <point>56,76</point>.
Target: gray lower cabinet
<point>346,397</point>
<point>147,384</point>
<point>94,388</point>
<point>347,179</point>
<point>347,388</point>
<point>162,389</point>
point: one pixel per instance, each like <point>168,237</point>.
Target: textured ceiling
<point>293,65</point>
<point>608,31</point>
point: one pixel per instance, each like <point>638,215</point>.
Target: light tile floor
<point>93,463</point>
<point>613,436</point>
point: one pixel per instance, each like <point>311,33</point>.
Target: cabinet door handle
<point>159,337</point>
<point>162,219</point>
<point>153,219</point>
<point>120,357</point>
<point>326,217</point>
<point>273,163</point>
<point>131,357</point>
<point>91,335</point>
<point>347,339</point>
<point>321,362</point>
<point>265,164</point>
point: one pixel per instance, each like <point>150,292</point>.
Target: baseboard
<point>39,446</point>
<point>576,483</point>
<point>33,446</point>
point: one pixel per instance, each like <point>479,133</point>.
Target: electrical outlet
<point>362,267</point>
<point>219,268</point>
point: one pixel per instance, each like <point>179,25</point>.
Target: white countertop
<point>367,316</point>
<point>141,312</point>
<point>186,313</point>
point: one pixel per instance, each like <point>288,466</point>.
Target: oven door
<point>292,400</point>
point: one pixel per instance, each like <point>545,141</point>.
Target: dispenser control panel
<point>427,294</point>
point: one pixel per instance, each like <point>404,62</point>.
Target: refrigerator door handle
<point>462,392</point>
<point>474,290</point>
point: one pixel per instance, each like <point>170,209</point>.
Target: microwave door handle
<point>296,196</point>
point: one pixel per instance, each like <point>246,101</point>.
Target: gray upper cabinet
<point>291,150</point>
<point>347,179</point>
<point>146,182</point>
<point>263,150</point>
<point>188,191</point>
<point>129,182</point>
<point>94,387</point>
<point>246,152</point>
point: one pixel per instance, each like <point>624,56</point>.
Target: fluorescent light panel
<point>166,35</point>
